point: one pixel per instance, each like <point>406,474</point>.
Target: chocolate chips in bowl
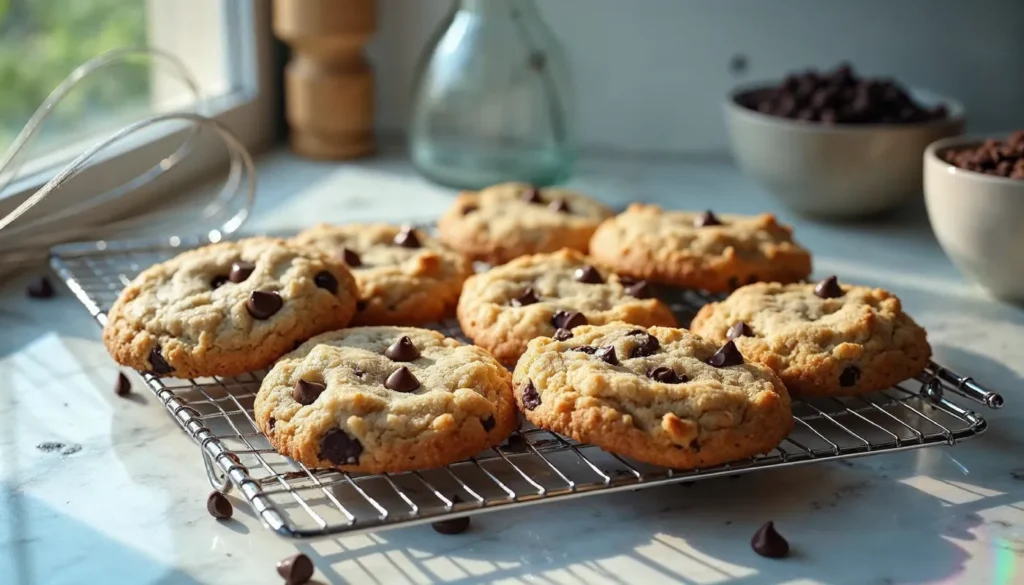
<point>834,144</point>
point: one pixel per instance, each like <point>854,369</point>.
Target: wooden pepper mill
<point>328,84</point>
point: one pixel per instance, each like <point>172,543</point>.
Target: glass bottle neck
<point>500,8</point>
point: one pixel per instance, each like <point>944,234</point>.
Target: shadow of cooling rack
<point>532,466</point>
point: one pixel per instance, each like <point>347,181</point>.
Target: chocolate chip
<point>517,444</point>
<point>306,393</point>
<point>752,279</point>
<point>528,297</point>
<point>263,304</point>
<point>219,506</point>
<point>532,195</point>
<point>767,542</point>
<point>849,377</point>
<point>828,288</point>
<point>733,283</point>
<point>640,289</point>
<point>666,375</point>
<point>648,346</point>
<point>453,526</point>
<point>627,280</point>
<point>402,380</point>
<point>739,329</point>
<point>157,362</point>
<point>124,385</point>
<point>339,448</point>
<point>488,423</point>
<point>270,423</point>
<point>295,570</point>
<point>351,257</point>
<point>706,219</point>
<point>727,356</point>
<point>403,350</point>
<point>241,271</point>
<point>469,209</point>
<point>407,238</point>
<point>218,281</point>
<point>695,446</point>
<point>559,205</point>
<point>587,349</point>
<point>568,319</point>
<point>588,274</point>
<point>326,281</point>
<point>562,334</point>
<point>40,288</point>
<point>361,305</point>
<point>607,354</point>
<point>531,399</point>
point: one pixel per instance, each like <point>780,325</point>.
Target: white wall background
<point>650,74</point>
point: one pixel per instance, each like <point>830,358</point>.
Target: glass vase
<point>493,99</point>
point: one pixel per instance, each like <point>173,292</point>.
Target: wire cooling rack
<point>532,466</point>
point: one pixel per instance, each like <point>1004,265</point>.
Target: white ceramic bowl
<point>978,220</point>
<point>837,171</point>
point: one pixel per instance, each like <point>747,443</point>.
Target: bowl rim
<point>954,107</point>
<point>931,156</point>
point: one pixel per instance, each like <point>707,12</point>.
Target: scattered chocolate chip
<point>403,350</point>
<point>326,281</point>
<point>263,304</point>
<point>562,334</point>
<point>706,219</point>
<point>607,354</point>
<point>218,281</point>
<point>528,297</point>
<point>727,356</point>
<point>453,526</point>
<point>767,542</point>
<point>588,275</point>
<point>40,288</point>
<point>466,210</point>
<point>240,271</point>
<point>358,373</point>
<point>587,349</point>
<point>739,329</point>
<point>351,258</point>
<point>402,380</point>
<point>559,205</point>
<point>295,570</point>
<point>532,195</point>
<point>306,393</point>
<point>640,289</point>
<point>695,446</point>
<point>157,362</point>
<point>828,288</point>
<point>849,377</point>
<point>407,238</point>
<point>516,444</point>
<point>531,399</point>
<point>124,385</point>
<point>270,423</point>
<point>666,375</point>
<point>733,282</point>
<point>628,280</point>
<point>361,305</point>
<point>339,448</point>
<point>568,319</point>
<point>648,345</point>
<point>219,506</point>
<point>488,423</point>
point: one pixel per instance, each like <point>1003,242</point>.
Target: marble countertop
<point>122,500</point>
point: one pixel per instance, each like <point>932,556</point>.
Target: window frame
<point>248,108</point>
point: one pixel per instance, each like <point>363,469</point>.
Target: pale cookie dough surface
<point>185,317</point>
<point>498,224</point>
<point>463,404</point>
<point>488,316</point>
<point>398,285</point>
<point>668,247</point>
<point>704,416</point>
<point>858,342</point>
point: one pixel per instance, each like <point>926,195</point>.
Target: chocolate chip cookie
<point>227,308</point>
<point>660,395</point>
<point>504,308</point>
<point>716,253</point>
<point>385,399</point>
<point>821,339</point>
<point>405,277</point>
<point>506,221</point>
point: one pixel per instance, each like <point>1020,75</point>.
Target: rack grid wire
<point>532,466</point>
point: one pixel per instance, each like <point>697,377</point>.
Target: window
<point>226,44</point>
